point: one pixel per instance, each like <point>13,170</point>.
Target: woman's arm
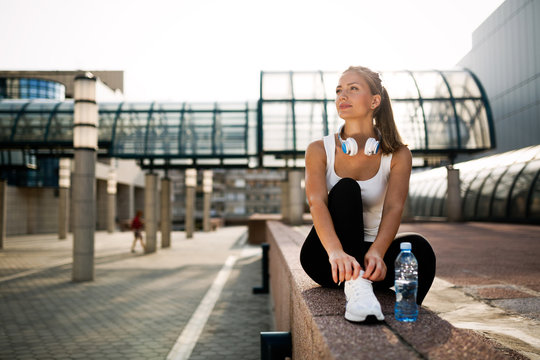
<point>396,194</point>
<point>343,265</point>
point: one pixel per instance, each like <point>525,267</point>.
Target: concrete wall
<point>31,211</point>
<point>125,202</point>
<point>35,210</point>
<point>504,55</point>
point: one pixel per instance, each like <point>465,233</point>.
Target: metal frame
<point>449,152</point>
<point>187,126</point>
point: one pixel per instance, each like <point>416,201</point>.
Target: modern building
<point>37,111</point>
<point>33,179</point>
<point>500,184</point>
<point>43,84</point>
<point>482,117</point>
<point>504,55</point>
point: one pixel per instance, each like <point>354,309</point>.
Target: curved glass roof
<point>499,187</point>
<point>436,112</point>
<point>136,130</point>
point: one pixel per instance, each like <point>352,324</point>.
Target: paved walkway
<point>153,306</point>
<point>138,306</point>
<point>487,280</point>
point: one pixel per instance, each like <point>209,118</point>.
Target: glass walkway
<point>438,113</point>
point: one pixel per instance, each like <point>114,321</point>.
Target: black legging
<point>346,210</point>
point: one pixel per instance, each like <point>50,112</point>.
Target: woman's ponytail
<point>384,121</point>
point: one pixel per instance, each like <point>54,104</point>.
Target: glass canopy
<point>152,131</point>
<point>500,187</point>
<point>436,112</point>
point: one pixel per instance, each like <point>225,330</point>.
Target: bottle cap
<point>405,246</point>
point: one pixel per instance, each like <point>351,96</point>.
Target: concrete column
<point>207,191</point>
<point>191,184</point>
<point>85,136</point>
<point>63,212</point>
<point>296,198</point>
<point>111,201</point>
<point>111,212</point>
<point>453,200</point>
<point>166,220</point>
<point>84,215</point>
<point>138,199</point>
<point>3,213</point>
<point>285,200</point>
<point>150,212</point>
<point>124,202</point>
<point>131,201</point>
<point>64,183</point>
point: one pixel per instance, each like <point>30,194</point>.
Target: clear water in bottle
<point>406,284</point>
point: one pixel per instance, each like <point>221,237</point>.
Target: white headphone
<point>350,147</point>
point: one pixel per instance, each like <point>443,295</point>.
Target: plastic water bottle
<point>406,284</point>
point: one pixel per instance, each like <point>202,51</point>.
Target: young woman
<point>356,200</point>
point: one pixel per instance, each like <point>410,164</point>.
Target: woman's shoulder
<point>316,147</point>
<point>402,156</point>
<point>316,151</point>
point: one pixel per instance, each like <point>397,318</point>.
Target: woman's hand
<point>344,266</point>
<point>375,266</point>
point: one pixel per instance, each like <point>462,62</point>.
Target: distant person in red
<point>136,226</point>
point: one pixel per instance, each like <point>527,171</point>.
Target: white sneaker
<point>361,300</point>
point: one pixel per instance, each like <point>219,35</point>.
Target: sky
<point>201,50</point>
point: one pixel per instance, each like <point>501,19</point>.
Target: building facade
<point>33,182</point>
<point>501,184</point>
<point>504,55</point>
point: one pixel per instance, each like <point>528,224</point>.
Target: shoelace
<point>360,287</point>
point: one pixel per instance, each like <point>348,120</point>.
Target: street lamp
<point>85,127</point>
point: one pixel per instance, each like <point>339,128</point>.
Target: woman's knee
<point>346,192</point>
<point>420,245</point>
<point>346,185</point>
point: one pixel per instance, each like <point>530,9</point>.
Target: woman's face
<point>353,97</point>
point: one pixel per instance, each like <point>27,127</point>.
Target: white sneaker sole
<point>357,318</point>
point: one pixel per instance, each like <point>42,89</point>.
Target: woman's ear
<point>376,101</point>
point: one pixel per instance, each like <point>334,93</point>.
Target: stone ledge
<point>314,316</point>
<point>257,226</point>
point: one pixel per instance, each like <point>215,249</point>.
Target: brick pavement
<point>135,308</point>
<point>232,331</point>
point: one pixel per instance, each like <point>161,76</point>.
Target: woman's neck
<point>362,129</point>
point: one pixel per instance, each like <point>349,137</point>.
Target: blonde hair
<point>383,114</point>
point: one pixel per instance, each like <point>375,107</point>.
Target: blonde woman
<point>356,199</point>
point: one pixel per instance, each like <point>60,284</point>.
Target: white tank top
<point>373,190</point>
